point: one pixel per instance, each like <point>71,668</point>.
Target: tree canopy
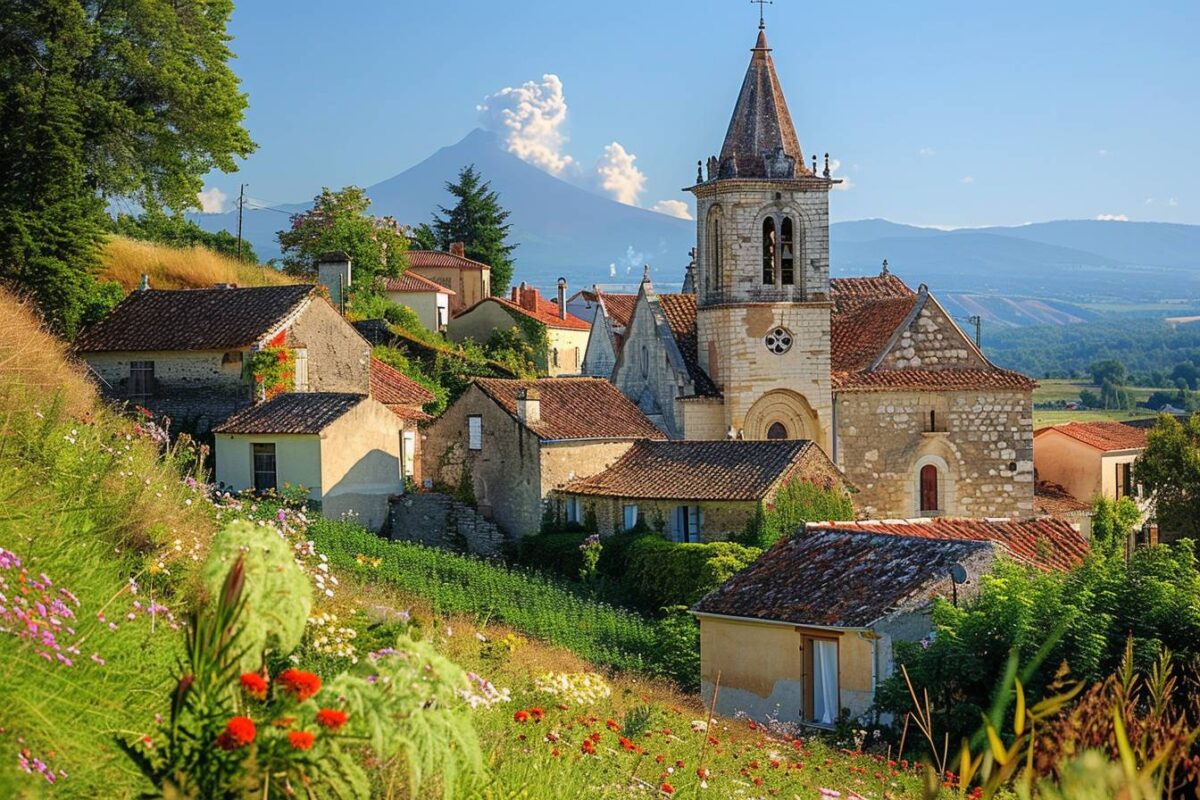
<point>177,231</point>
<point>1169,469</point>
<point>478,221</point>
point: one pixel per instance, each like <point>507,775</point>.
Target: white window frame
<point>475,432</point>
<point>408,452</point>
<point>301,379</point>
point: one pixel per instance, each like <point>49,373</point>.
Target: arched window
<point>787,253</point>
<point>645,362</point>
<point>713,277</point>
<point>777,431</point>
<point>929,488</point>
<point>768,251</point>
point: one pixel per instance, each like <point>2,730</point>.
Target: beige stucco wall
<point>882,444</point>
<point>479,323</point>
<point>424,305</point>
<point>297,460</point>
<point>1069,462</point>
<point>703,418</point>
<point>339,358</point>
<point>566,351</point>
<point>470,285</point>
<point>360,463</point>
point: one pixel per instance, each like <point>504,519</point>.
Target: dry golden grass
<point>35,364</point>
<point>125,260</point>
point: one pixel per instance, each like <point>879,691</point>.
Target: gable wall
<point>599,356</point>
<point>655,389</point>
<point>360,464</point>
<point>339,359</point>
<point>932,341</point>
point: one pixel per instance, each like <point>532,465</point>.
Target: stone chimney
<point>145,284</point>
<point>333,272</point>
<point>458,249</point>
<point>529,406</point>
<point>562,298</point>
<point>526,296</point>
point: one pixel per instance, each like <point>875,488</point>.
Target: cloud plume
<point>672,208</point>
<point>211,200</point>
<point>1112,217</point>
<point>619,176</point>
<point>531,120</point>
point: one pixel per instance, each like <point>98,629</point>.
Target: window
<point>141,378</point>
<point>777,431</point>
<point>688,521</point>
<point>301,381</point>
<point>712,274</point>
<point>574,511</point>
<point>408,453</point>
<point>821,692</point>
<point>645,362</point>
<point>787,253</point>
<point>768,251</point>
<point>1124,485</point>
<point>778,341</point>
<point>475,432</point>
<point>929,488</point>
<point>630,517</point>
<point>554,356</point>
<point>265,477</point>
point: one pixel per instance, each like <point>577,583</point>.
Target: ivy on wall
<point>272,370</point>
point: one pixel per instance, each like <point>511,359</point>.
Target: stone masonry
<point>437,520</point>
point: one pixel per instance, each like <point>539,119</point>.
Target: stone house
<point>429,300</point>
<point>822,610</point>
<point>609,316</point>
<point>344,448</point>
<point>469,280</point>
<point>513,442</point>
<point>184,353</point>
<point>567,335</point>
<point>1090,459</point>
<point>405,398</point>
<point>692,491</point>
<point>767,346</point>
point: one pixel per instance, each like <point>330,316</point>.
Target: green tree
<point>126,98</point>
<point>175,230</point>
<point>339,221</point>
<point>479,222</point>
<point>1169,469</point>
<point>798,502</point>
<point>1112,523</point>
<point>1107,370</point>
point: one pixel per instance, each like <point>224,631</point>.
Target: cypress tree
<point>480,222</point>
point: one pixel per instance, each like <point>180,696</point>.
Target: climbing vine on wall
<point>273,371</point>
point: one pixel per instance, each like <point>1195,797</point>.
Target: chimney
<point>145,283</point>
<point>562,298</point>
<point>529,297</point>
<point>529,406</point>
<point>458,249</point>
<point>333,272</point>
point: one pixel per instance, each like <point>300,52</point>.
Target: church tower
<point>762,269</point>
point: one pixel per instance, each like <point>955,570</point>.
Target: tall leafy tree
<point>1169,469</point>
<point>339,221</point>
<point>121,98</point>
<point>479,222</point>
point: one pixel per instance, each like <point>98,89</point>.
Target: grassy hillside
<point>126,260</point>
<point>1050,390</point>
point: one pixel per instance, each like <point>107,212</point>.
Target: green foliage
<point>1112,523</point>
<point>175,230</point>
<point>1169,470</point>
<point>479,222</point>
<point>660,573</point>
<point>524,350</point>
<point>401,363</point>
<point>798,502</point>
<point>339,221</point>
<point>131,99</point>
<point>1107,370</point>
<point>278,595</point>
<point>99,301</point>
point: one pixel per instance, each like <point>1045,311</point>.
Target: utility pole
<point>241,204</point>
<point>977,321</point>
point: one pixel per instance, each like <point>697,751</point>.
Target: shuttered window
<point>141,378</point>
<point>929,488</point>
<point>475,432</point>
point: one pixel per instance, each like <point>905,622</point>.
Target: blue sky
<point>939,112</point>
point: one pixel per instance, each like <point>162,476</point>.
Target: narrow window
<point>573,510</point>
<point>821,689</point>
<point>645,362</point>
<point>630,517</point>
<point>929,488</point>
<point>301,379</point>
<point>1125,481</point>
<point>715,261</point>
<point>777,431</point>
<point>141,378</point>
<point>787,253</point>
<point>408,453</point>
<point>474,432</point>
<point>265,477</point>
<point>768,251</point>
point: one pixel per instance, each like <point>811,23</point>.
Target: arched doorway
<point>782,414</point>
<point>777,431</point>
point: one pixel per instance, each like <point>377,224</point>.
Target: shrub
<point>661,573</point>
<point>798,502</point>
<point>553,552</point>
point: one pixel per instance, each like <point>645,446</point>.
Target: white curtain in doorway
<point>825,682</point>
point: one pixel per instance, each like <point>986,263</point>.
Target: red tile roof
<point>858,335</point>
<point>1044,542</point>
<point>544,312</point>
<point>1054,499</point>
<point>437,258</point>
<point>575,408</point>
<point>732,470</point>
<point>392,387</point>
<point>1104,436</point>
<point>292,412</point>
<point>680,311</point>
<point>949,380</point>
<point>842,579</point>
<point>412,282</point>
<point>619,307</point>
<point>849,293</point>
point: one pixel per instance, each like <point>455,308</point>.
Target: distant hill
<point>1042,272</point>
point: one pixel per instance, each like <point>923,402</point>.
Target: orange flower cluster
<point>299,684</point>
<point>331,719</point>
<point>238,733</point>
<point>301,740</point>
<point>254,685</point>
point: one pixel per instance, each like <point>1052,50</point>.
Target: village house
<point>822,610</point>
<point>692,491</point>
<point>469,281</point>
<point>1090,459</point>
<point>566,335</point>
<point>1053,500</point>
<point>186,354</point>
<point>430,301</point>
<point>405,398</point>
<point>765,345</point>
<point>344,448</point>
<point>513,442</point>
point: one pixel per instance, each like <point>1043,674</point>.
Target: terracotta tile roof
<point>392,387</point>
<point>437,258</point>
<point>680,311</point>
<point>293,412</point>
<point>1054,499</point>
<point>708,470</point>
<point>619,307</point>
<point>1104,436</point>
<point>859,334</point>
<point>1044,542</point>
<point>575,408</point>
<point>842,579</point>
<point>412,282</point>
<point>193,319</point>
<point>544,312</point>
<point>949,380</point>
<point>848,293</point>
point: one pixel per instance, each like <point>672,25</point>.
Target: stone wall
<point>720,521</point>
<point>644,372</point>
<point>339,358</point>
<point>437,520</point>
<point>932,341</point>
<point>984,452</point>
<point>599,357</point>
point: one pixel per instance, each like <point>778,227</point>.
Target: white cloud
<point>531,119</point>
<point>927,152</point>
<point>834,166</point>
<point>968,179</point>
<point>1112,217</point>
<point>672,208</point>
<point>619,176</point>
<point>1149,201</point>
<point>212,200</point>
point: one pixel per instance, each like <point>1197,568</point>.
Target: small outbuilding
<point>429,300</point>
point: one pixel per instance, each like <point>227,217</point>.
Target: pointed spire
<point>761,141</point>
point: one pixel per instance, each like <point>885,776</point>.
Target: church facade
<point>763,344</point>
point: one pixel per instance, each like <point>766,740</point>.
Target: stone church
<point>763,344</point>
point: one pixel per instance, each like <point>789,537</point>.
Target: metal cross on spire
<point>761,22</point>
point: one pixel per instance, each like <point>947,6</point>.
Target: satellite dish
<point>958,573</point>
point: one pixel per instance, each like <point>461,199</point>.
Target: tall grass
<point>126,260</point>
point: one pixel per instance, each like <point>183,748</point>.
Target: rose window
<point>778,341</point>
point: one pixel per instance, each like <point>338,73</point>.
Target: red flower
<point>667,788</point>
<point>300,740</point>
<point>612,725</point>
<point>521,716</point>
<point>757,781</point>
<point>331,719</point>
<point>238,732</point>
<point>254,685</point>
<point>537,713</point>
<point>588,747</point>
<point>702,773</point>
<point>299,684</point>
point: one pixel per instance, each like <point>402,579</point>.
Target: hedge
<point>660,573</point>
